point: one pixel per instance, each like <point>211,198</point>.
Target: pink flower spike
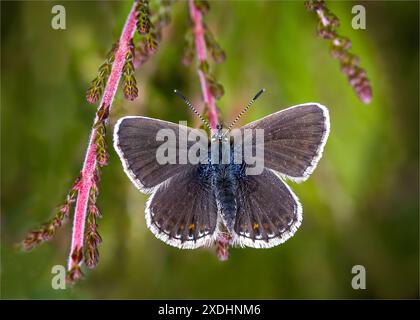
<point>365,94</point>
<point>90,164</point>
<point>200,45</point>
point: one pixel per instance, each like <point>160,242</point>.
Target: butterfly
<point>191,204</point>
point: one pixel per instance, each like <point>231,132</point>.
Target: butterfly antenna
<point>188,103</point>
<point>245,109</point>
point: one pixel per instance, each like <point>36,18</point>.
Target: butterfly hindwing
<point>182,211</point>
<point>268,212</point>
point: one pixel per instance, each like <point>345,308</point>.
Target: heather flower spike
<point>222,246</point>
<point>148,43</point>
<point>92,237</point>
<point>120,63</point>
<point>129,81</point>
<point>340,46</point>
<point>143,20</point>
<point>97,85</point>
<point>47,230</point>
<point>188,54</point>
<point>216,51</point>
<point>75,272</point>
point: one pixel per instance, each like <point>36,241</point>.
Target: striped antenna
<point>245,110</point>
<point>188,103</point>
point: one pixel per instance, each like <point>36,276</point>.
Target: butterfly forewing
<point>135,139</point>
<point>294,139</point>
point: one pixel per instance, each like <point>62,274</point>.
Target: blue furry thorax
<point>220,170</point>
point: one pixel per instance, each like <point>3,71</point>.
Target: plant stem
<point>349,62</point>
<point>90,164</point>
<point>200,46</point>
<point>224,240</point>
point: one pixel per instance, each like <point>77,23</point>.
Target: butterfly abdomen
<point>225,192</point>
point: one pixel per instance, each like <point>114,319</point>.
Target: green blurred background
<point>360,206</point>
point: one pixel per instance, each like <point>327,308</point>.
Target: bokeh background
<point>361,206</point>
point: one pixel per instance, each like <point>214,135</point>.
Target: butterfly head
<point>220,135</point>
